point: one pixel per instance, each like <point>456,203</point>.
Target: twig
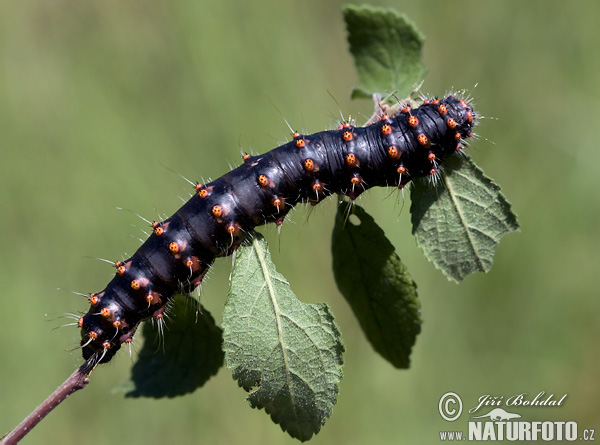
<point>78,380</point>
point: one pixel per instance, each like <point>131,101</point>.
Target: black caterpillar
<point>392,151</point>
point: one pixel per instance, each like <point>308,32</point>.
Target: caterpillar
<point>395,149</point>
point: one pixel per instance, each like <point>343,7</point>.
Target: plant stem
<point>78,380</point>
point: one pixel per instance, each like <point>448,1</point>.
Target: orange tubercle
<point>309,165</point>
<point>393,152</point>
<point>263,180</point>
<point>120,266</point>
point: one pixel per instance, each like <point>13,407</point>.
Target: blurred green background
<point>105,104</point>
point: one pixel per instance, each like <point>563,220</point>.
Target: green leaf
<point>387,51</point>
<point>459,223</point>
<point>286,353</point>
<point>376,284</point>
<point>188,355</point>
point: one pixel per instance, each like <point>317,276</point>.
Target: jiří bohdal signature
<point>519,400</point>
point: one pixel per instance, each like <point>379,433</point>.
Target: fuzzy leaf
<point>387,51</point>
<point>184,360</point>
<point>376,284</point>
<point>286,353</point>
<point>459,223</point>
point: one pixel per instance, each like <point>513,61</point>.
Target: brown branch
<point>78,380</point>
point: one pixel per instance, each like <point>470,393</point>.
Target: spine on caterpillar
<point>391,152</point>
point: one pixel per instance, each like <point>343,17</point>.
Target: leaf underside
<point>376,284</point>
<point>286,353</point>
<point>181,360</point>
<point>458,224</point>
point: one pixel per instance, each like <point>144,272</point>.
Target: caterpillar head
<point>437,129</point>
<point>462,113</point>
